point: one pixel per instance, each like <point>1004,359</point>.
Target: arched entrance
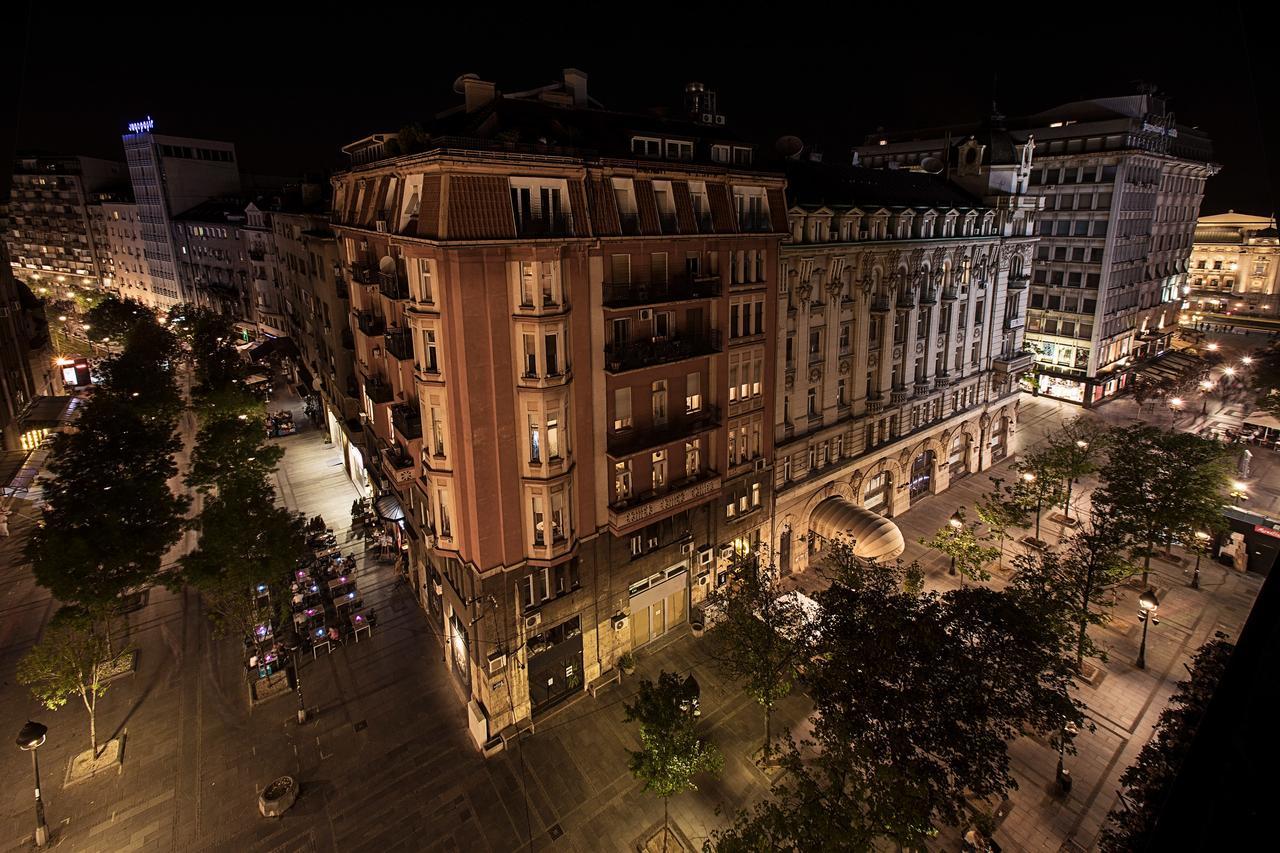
<point>878,494</point>
<point>999,438</point>
<point>958,456</point>
<point>784,552</point>
<point>921,475</point>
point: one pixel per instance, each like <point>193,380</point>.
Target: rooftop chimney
<point>575,81</point>
<point>477,93</point>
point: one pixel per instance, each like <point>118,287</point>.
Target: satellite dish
<point>789,146</point>
<point>459,84</point>
<point>932,165</point>
<point>387,265</point>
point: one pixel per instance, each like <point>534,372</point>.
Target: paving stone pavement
<point>385,763</point>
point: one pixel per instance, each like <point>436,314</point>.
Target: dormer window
<point>646,146</point>
<point>720,154</point>
<point>741,156</point>
<point>678,149</point>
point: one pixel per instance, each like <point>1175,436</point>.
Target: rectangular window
<point>553,354</point>
<point>692,457</point>
<point>424,280</point>
<point>535,440</point>
<point>553,438</point>
<point>658,267</point>
<point>693,392</point>
<point>620,269</point>
<point>659,389</point>
<point>622,408</point>
<point>658,459</point>
<point>530,355</point>
<point>622,480</point>
<point>538,534</point>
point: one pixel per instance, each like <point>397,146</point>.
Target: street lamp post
<point>1202,540</point>
<point>1030,478</point>
<point>956,521</point>
<point>297,684</point>
<point>1238,492</point>
<point>1148,604</point>
<point>1205,387</point>
<point>29,740</point>
<point>1175,406</point>
<point>1069,730</point>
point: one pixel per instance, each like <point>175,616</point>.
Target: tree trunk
<point>89,697</point>
<point>1146,560</point>
<point>1066,508</point>
<point>768,730</point>
<point>1001,561</point>
<point>1085,594</point>
<point>665,824</point>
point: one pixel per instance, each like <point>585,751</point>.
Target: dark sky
<point>289,86</point>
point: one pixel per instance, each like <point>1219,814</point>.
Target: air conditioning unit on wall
<point>705,555</point>
<point>686,548</point>
<point>533,621</point>
<point>646,314</point>
<point>619,621</point>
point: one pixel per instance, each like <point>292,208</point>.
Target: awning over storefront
<point>283,347</point>
<point>1262,419</point>
<point>388,508</point>
<point>875,537</point>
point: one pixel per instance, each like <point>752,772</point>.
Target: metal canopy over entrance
<point>875,537</point>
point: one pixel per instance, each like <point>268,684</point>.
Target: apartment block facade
<point>564,328</point>
<point>1122,183</point>
<point>51,230</point>
<point>1235,267</point>
<point>900,343</point>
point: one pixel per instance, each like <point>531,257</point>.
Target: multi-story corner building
<point>268,306</point>
<point>1235,266</point>
<point>50,229</point>
<point>170,175</point>
<point>317,301</point>
<point>564,322</point>
<point>899,343</point>
<point>213,259</point>
<point>125,245</point>
<point>1122,182</point>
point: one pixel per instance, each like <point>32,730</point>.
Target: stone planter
<point>697,627</point>
<point>278,797</point>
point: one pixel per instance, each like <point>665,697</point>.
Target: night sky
<point>288,88</point>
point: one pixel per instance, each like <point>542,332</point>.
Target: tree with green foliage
<point>246,541</point>
<point>109,515</point>
<point>1148,781</point>
<point>916,696</point>
<point>1039,484</point>
<point>1162,486</point>
<point>68,662</point>
<point>230,449</point>
<point>1074,451</point>
<point>671,751</point>
<point>962,541</point>
<point>761,636</point>
<point>1077,584</point>
<point>1264,379</point>
<point>116,318</point>
<point>1004,508</point>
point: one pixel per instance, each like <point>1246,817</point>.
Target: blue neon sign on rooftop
<point>144,126</point>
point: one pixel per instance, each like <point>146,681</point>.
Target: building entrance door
<point>658,604</point>
<point>921,475</point>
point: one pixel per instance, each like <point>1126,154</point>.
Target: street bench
<point>608,677</point>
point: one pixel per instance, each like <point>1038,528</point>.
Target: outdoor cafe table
<point>346,599</point>
<point>339,582</point>
<point>327,552</point>
<point>308,614</point>
<point>360,622</point>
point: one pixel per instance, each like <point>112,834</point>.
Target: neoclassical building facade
<point>900,343</point>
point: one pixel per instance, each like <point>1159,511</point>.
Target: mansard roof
<point>835,185</point>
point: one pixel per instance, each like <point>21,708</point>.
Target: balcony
<point>400,344</point>
<point>630,513</point>
<point>1015,322</point>
<point>880,305</point>
<point>921,387</point>
<point>929,296</point>
<point>370,324</point>
<point>950,294</point>
<point>1018,362</point>
<point>364,273</point>
<point>1019,281</point>
<point>634,355</point>
<point>705,225</point>
<point>754,221</point>
<point>378,391</point>
<point>898,396</point>
<point>406,418</point>
<point>393,285</point>
<point>875,404</point>
<point>906,300</point>
<point>625,294</point>
<point>942,380</point>
<point>631,441</point>
<point>399,466</point>
<point>547,225</point>
<point>667,221</point>
<point>629,223</point>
